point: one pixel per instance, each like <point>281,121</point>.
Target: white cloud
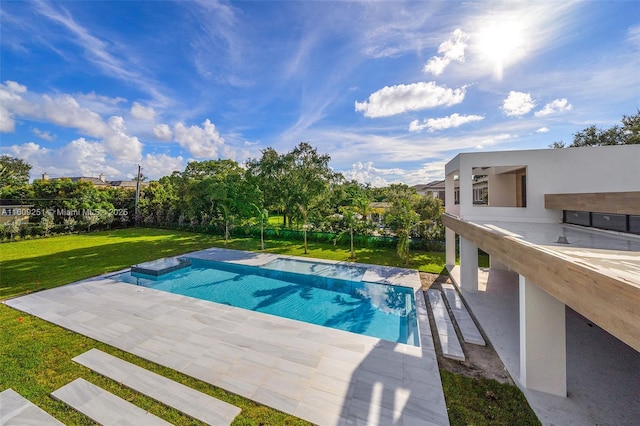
<point>142,113</point>
<point>119,143</point>
<point>81,157</point>
<point>392,100</point>
<point>42,134</point>
<point>7,123</point>
<point>428,172</point>
<point>554,107</point>
<point>64,110</point>
<point>517,104</point>
<point>633,35</point>
<point>453,120</point>
<point>10,92</point>
<point>202,142</point>
<point>451,50</point>
<point>367,173</point>
<point>163,132</point>
<point>158,165</point>
<point>542,130</point>
<point>78,158</point>
<point>494,140</point>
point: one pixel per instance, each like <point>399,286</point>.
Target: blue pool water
<point>323,294</point>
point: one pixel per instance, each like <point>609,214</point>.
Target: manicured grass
<point>35,356</point>
<point>35,360</point>
<point>33,265</point>
<point>484,402</point>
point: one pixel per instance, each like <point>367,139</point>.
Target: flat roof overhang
<point>599,277</point>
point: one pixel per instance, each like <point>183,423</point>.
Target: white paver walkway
<point>446,332</point>
<point>468,328</point>
<point>103,407</point>
<point>323,375</point>
<point>183,398</point>
<point>15,410</point>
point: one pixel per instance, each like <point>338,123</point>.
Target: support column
<point>496,264</point>
<point>468,265</point>
<point>543,348</point>
<point>450,248</point>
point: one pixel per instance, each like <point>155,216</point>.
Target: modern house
<point>561,299</point>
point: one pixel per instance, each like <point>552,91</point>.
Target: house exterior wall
<point>549,171</point>
<point>503,190</point>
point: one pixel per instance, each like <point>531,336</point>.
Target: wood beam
<point>601,202</point>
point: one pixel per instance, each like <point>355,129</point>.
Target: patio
<point>325,376</point>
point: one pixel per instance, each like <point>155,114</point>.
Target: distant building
<point>11,209</point>
<point>435,189</point>
<point>377,211</point>
<point>100,181</point>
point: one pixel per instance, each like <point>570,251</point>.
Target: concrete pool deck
<point>323,375</point>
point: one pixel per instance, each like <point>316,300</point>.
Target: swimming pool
<point>329,295</point>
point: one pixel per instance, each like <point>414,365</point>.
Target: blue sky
<point>391,90</point>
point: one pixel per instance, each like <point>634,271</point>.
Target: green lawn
<point>35,356</point>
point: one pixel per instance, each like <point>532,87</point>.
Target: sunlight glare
<point>502,43</point>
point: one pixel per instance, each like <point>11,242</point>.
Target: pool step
<point>17,410</point>
<point>446,332</point>
<point>183,398</point>
<point>467,326</point>
<point>103,407</point>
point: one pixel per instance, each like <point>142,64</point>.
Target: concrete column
<point>496,264</point>
<point>450,250</point>
<point>543,348</point>
<point>468,265</point>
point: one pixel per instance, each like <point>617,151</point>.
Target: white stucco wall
<point>549,171</point>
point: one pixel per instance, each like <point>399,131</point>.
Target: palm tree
<point>304,224</point>
<point>263,215</point>
<point>349,215</point>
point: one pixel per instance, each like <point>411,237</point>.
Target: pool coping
<point>320,374</point>
<point>378,274</point>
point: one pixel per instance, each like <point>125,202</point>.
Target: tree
<point>13,227</point>
<point>263,216</point>
<point>350,218</point>
<point>268,174</point>
<point>430,210</point>
<point>69,224</point>
<point>47,222</point>
<point>628,134</point>
<point>13,171</point>
<point>305,225</point>
<point>215,191</point>
<point>631,128</point>
<point>402,220</point>
<point>309,179</point>
<point>90,219</point>
<point>301,177</point>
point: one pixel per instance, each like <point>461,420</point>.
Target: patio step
<point>467,326</point>
<point>183,398</point>
<point>103,407</point>
<point>446,332</point>
<point>17,410</point>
